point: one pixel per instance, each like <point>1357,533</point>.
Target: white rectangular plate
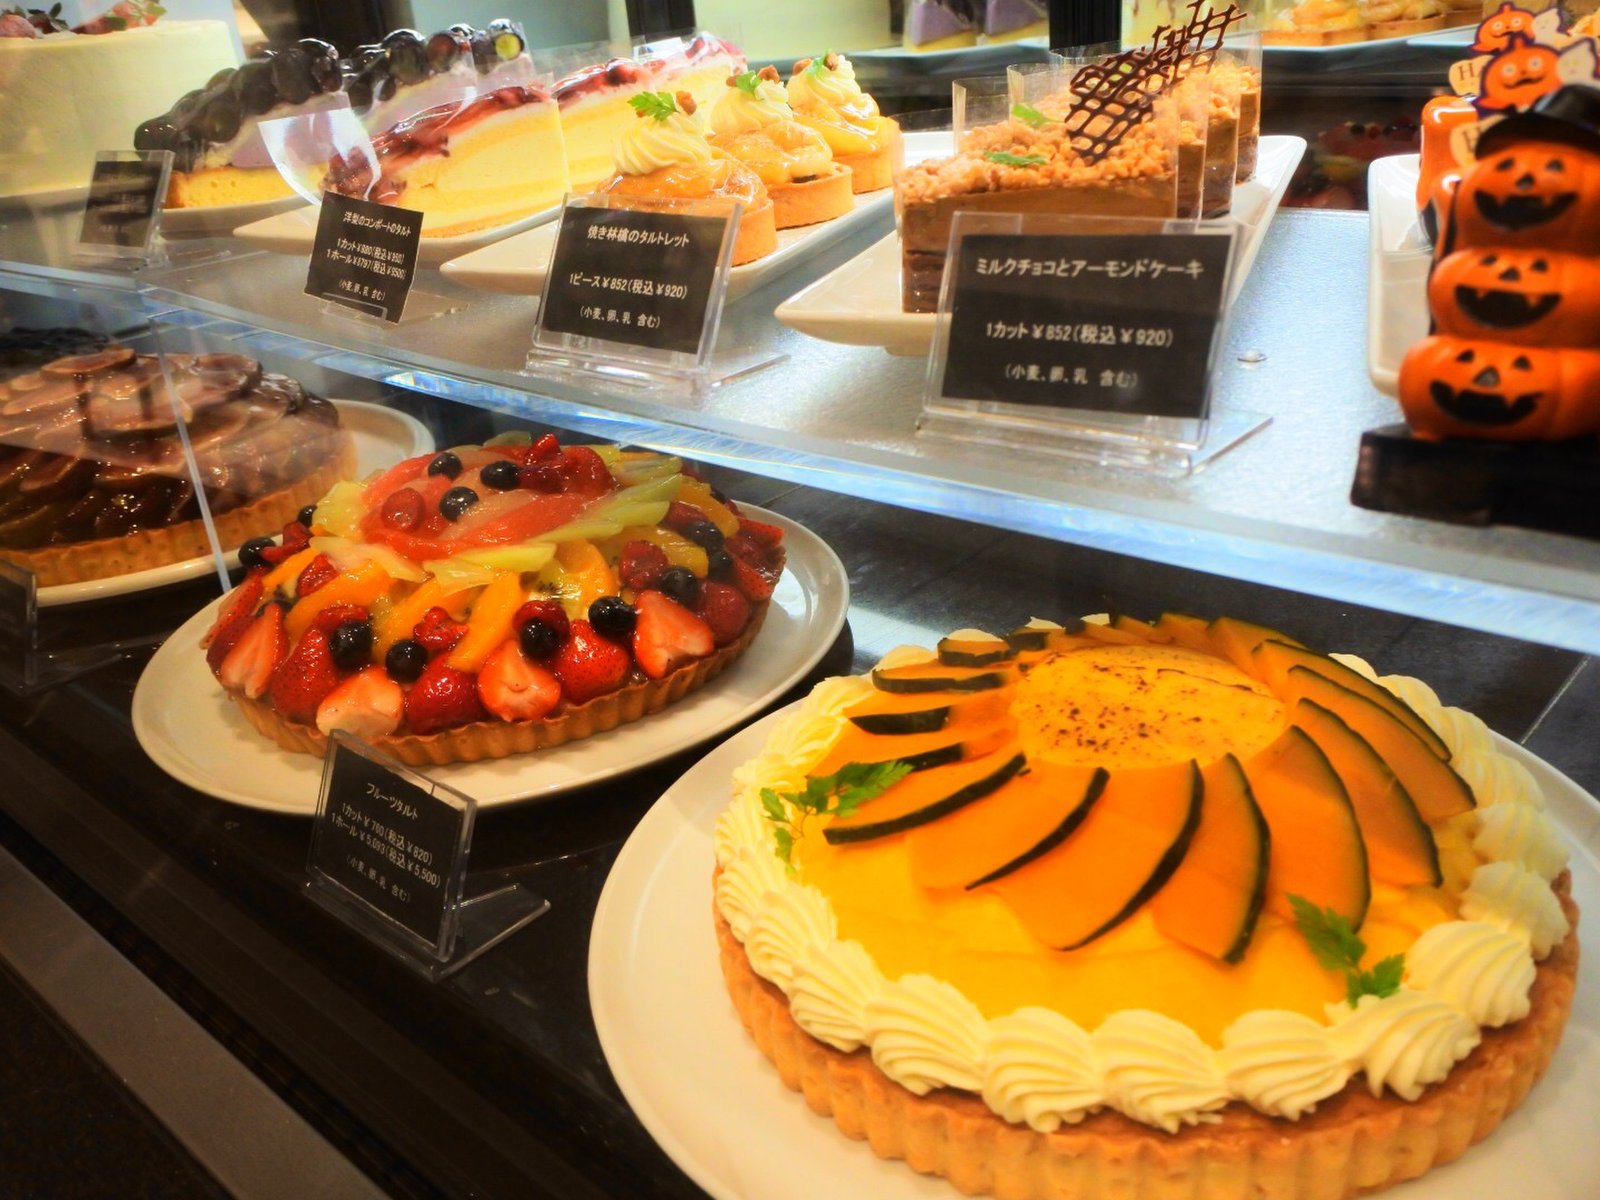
<point>858,303</point>
<point>295,231</point>
<point>1397,268</point>
<point>518,265</point>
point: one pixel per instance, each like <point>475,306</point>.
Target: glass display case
<point>246,506</point>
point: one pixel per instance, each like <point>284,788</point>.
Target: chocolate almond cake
<point>93,478</point>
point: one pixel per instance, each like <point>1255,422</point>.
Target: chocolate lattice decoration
<point>1117,93</point>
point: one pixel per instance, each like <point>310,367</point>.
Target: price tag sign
<point>393,841</point>
<point>1118,323</point>
<point>123,210</point>
<point>638,282</point>
<point>364,256</point>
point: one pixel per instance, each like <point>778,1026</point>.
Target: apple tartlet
<point>1171,909</point>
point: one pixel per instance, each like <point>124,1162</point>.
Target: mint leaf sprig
<point>1338,947</point>
<point>659,105</point>
<point>1007,159</point>
<point>747,81</point>
<point>1029,115</point>
<point>836,795</point>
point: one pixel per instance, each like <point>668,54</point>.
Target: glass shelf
<point>1274,510</point>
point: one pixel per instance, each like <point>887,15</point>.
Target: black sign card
<point>365,255</point>
<point>1109,323</point>
<point>389,842</point>
<point>639,277</point>
<point>126,191</point>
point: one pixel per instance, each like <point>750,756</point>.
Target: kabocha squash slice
<point>1438,792</point>
<point>925,796</point>
<point>1110,635</point>
<point>1145,631</point>
<point>972,651</point>
<point>918,712</point>
<point>1317,849</point>
<point>1213,899</point>
<point>1042,802</point>
<point>1186,631</point>
<point>922,751</point>
<point>1036,637</point>
<point>1400,846</point>
<point>912,678</point>
<point>1118,858</point>
<point>1274,661</point>
<point>1236,640</point>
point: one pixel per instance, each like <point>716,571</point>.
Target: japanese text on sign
<point>365,255</point>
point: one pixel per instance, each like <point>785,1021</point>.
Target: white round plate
<point>193,732</point>
<point>47,197</point>
<point>719,1110</point>
<point>383,437</point>
<point>219,220</point>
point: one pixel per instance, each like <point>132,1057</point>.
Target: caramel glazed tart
<point>89,453</point>
<point>497,739</point>
<point>1353,1142</point>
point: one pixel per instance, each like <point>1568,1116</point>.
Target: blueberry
<point>250,552</point>
<point>291,75</point>
<point>252,83</point>
<point>443,49</point>
<point>720,562</point>
<point>445,463</point>
<point>220,78</point>
<point>405,660</point>
<point>454,503</point>
<point>359,90</point>
<point>408,62</point>
<point>704,533</point>
<point>220,119</point>
<point>482,51</point>
<point>538,639</point>
<point>158,133</point>
<point>401,37</point>
<point>307,515</point>
<point>613,617</point>
<point>680,584</point>
<point>501,475</point>
<point>350,644</point>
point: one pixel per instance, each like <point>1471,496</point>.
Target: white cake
<point>65,96</point>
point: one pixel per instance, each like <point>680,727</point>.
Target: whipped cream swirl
<point>651,144</point>
<point>1041,1070</point>
<point>829,990</point>
<point>822,86</point>
<point>741,111</point>
<point>1158,1071</point>
<point>925,1034</point>
<point>1281,1063</point>
<point>1505,895</point>
<point>1472,966</point>
<point>1403,1042</point>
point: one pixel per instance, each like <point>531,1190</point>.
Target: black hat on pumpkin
<point>1569,115</point>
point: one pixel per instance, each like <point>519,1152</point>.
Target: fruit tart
<point>1164,909</point>
<point>754,123</point>
<point>666,158</point>
<point>1318,23</point>
<point>93,477</point>
<point>490,600</point>
<point>825,95</point>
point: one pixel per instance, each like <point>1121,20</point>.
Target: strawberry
<point>755,582</point>
<point>296,537</point>
<point>304,679</point>
<point>249,666</point>
<point>540,477</point>
<point>766,536</point>
<point>438,631</point>
<point>680,516</point>
<point>403,509</point>
<point>641,564</point>
<point>744,546</point>
<point>335,615</point>
<point>367,704</point>
<point>515,689</point>
<point>589,665</point>
<point>667,634</point>
<point>316,573</point>
<point>233,618</point>
<point>724,609</point>
<point>442,697</point>
<point>584,472</point>
<point>540,449</point>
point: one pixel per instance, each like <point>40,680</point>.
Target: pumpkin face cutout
<point>1518,77</point>
<point>1534,297</point>
<point>1531,194</point>
<point>1458,387</point>
<point>1505,23</point>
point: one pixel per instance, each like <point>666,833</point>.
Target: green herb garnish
<point>749,81</point>
<point>1029,115</point>
<point>819,64</point>
<point>1339,948</point>
<point>659,105</point>
<point>1006,159</point>
<point>836,795</point>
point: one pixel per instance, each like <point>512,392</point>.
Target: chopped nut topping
<point>769,73</point>
<point>685,103</point>
<point>801,66</point>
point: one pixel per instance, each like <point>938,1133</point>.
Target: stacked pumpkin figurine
<point>1516,351</point>
<point>493,599</point>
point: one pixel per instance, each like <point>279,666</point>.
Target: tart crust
<point>497,739</point>
<point>1354,1142</point>
<point>877,168</point>
<point>105,558</point>
<point>808,201</point>
<point>1315,37</point>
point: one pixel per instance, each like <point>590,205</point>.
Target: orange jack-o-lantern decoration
<point>1533,297</point>
<point>1531,193</point>
<point>1518,76</point>
<point>1499,27</point>
<point>1463,387</point>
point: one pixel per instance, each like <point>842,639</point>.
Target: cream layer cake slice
<point>487,163</point>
